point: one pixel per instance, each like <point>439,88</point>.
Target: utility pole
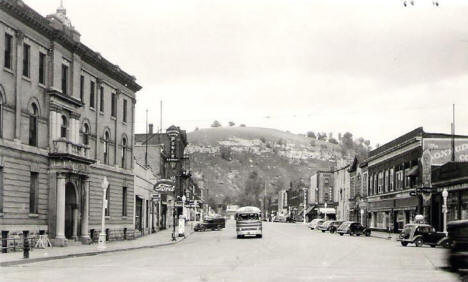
<point>453,132</point>
<point>146,142</point>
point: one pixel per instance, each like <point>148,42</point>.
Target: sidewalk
<point>161,238</point>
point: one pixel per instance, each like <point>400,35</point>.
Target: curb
<point>93,253</point>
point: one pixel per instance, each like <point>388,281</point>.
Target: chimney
<point>150,128</point>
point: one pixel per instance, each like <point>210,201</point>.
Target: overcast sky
<point>371,67</point>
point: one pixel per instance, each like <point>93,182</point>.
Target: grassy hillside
<point>224,157</point>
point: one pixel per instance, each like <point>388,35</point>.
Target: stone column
<point>75,224</point>
<point>85,213</point>
<point>60,231</point>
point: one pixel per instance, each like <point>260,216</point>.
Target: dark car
<point>458,238</point>
<point>422,234</point>
<point>353,228</point>
<point>290,220</point>
<point>211,223</point>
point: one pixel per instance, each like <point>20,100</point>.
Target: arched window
<point>86,134</point>
<point>33,115</point>
<point>63,127</point>
<point>124,151</point>
<point>106,147</point>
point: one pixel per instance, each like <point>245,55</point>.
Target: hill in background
<point>229,160</point>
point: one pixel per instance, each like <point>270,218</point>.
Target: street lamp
<point>305,203</point>
<point>102,235</point>
<point>362,217</point>
<point>325,212</point>
<point>444,208</point>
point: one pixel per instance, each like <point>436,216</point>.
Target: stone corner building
<point>66,122</point>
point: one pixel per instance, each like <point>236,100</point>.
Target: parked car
<point>422,234</point>
<point>353,228</point>
<point>458,238</point>
<point>333,226</point>
<point>279,218</point>
<point>290,219</point>
<point>324,226</point>
<point>313,224</point>
<point>211,223</point>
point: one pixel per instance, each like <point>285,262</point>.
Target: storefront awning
<point>310,209</point>
<point>413,171</point>
<point>327,210</point>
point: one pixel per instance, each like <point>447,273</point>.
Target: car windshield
<point>247,216</point>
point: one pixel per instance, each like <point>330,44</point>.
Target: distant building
<point>321,194</point>
<point>231,211</point>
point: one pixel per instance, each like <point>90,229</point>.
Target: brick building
<point>66,122</point>
<point>321,191</point>
<point>396,170</point>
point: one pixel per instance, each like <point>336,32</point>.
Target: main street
<point>287,252</point>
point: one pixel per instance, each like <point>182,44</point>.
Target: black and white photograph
<point>234,140</point>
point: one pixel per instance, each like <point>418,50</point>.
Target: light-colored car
<point>314,223</point>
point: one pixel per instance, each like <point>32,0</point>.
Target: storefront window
<point>464,205</point>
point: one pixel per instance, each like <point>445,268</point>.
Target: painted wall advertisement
<point>441,150</point>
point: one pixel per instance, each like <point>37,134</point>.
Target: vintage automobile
<point>211,223</point>
<point>422,234</point>
<point>290,219</point>
<point>314,223</point>
<point>458,237</point>
<point>324,226</point>
<point>353,228</point>
<point>279,218</point>
<point>333,226</point>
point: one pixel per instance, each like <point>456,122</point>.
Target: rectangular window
<point>114,104</point>
<point>124,201</point>
<point>82,88</point>
<point>64,79</point>
<point>101,100</point>
<point>107,210</point>
<point>8,51</point>
<point>42,67</point>
<point>92,99</point>
<point>1,189</point>
<point>124,117</point>
<point>26,57</point>
<point>33,192</point>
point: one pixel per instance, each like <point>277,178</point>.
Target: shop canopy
<point>327,210</point>
<point>310,209</point>
<point>413,171</point>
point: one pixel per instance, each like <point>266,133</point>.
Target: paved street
<point>288,252</point>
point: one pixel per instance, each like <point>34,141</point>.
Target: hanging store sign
<point>164,186</point>
<point>426,162</point>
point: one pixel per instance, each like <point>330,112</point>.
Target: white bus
<point>248,222</point>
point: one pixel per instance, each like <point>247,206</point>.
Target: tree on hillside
<point>332,140</point>
<point>242,125</point>
<point>347,141</point>
<point>330,135</point>
<point>216,124</point>
<point>231,123</point>
<point>339,137</point>
<point>322,136</point>
<point>196,128</point>
<point>311,134</point>
<point>226,153</point>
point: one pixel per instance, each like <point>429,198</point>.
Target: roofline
<point>34,20</point>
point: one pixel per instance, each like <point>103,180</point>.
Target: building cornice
<point>40,24</point>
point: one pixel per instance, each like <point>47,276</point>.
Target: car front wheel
<point>341,234</point>
<point>419,242</point>
<point>404,244</point>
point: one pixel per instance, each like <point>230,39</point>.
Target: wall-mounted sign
<point>164,186</point>
<point>441,149</point>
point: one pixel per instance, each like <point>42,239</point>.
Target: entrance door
<point>138,213</point>
<point>70,205</point>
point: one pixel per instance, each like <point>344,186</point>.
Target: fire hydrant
<point>26,247</point>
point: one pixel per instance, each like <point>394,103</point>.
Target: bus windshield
<point>247,216</point>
